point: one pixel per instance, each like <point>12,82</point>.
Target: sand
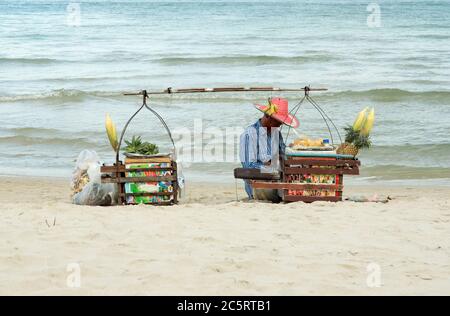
<point>211,244</point>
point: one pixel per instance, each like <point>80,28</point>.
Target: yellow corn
<point>368,124</point>
<point>111,131</point>
<point>360,119</point>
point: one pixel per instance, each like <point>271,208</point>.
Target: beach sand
<point>211,244</point>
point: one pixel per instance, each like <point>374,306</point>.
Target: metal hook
<point>307,89</point>
<point>144,96</point>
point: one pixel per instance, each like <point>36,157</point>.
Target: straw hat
<point>278,108</point>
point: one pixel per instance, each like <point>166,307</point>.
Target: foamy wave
<point>377,95</point>
<point>392,172</point>
<point>53,141</point>
<point>244,59</point>
<point>60,94</point>
<point>31,61</point>
<point>393,95</point>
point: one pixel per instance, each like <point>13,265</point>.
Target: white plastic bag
<point>86,158</point>
<point>95,194</point>
<point>86,182</point>
<point>181,179</point>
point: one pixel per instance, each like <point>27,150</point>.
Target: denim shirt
<point>256,148</point>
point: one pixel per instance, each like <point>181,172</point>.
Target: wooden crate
<point>119,174</point>
<point>297,170</point>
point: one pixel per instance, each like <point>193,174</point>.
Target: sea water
<point>64,64</point>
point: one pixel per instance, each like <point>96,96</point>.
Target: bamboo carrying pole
<point>225,89</point>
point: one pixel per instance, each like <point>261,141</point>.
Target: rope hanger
<point>322,113</point>
<point>144,105</point>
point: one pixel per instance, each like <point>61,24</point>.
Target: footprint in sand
<point>243,283</point>
<point>203,238</point>
<point>283,236</point>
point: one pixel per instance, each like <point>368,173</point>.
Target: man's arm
<point>248,150</point>
<point>282,145</point>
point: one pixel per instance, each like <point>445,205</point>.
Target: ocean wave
<point>245,59</point>
<point>60,95</point>
<point>394,172</point>
<point>23,140</point>
<point>79,95</point>
<point>31,61</point>
<point>378,95</point>
<point>409,152</point>
<point>383,95</point>
<point>431,36</point>
<point>31,131</point>
<point>394,95</point>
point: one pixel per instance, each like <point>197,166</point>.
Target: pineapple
<point>137,146</point>
<point>357,136</point>
<point>347,149</point>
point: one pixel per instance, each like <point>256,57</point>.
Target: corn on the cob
<point>360,119</point>
<point>368,124</point>
<point>111,131</point>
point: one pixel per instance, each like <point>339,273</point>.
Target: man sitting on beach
<point>262,143</point>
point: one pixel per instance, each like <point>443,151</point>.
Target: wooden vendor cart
<point>143,179</point>
<point>306,178</point>
<point>125,178</point>
<point>307,175</point>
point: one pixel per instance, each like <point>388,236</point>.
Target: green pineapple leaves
<point>137,146</point>
<point>357,139</point>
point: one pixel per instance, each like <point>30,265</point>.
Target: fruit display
<point>305,143</point>
<point>134,146</point>
<point>140,174</point>
<point>358,135</point>
<point>347,149</point>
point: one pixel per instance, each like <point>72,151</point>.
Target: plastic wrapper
<point>86,185</point>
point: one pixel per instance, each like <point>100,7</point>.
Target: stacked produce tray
<point>144,180</point>
<point>312,178</point>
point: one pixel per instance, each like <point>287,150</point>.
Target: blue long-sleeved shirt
<point>256,148</point>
